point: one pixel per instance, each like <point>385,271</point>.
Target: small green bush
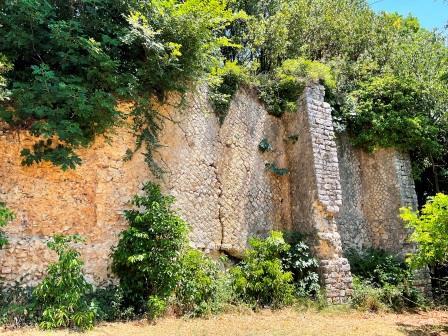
<point>224,84</point>
<point>109,304</point>
<point>367,297</point>
<point>281,91</point>
<point>429,232</point>
<point>260,279</point>
<point>384,277</point>
<point>203,288</point>
<point>62,297</point>
<point>156,306</point>
<point>377,267</point>
<point>303,266</point>
<point>6,216</point>
<point>148,256</point>
<point>17,307</point>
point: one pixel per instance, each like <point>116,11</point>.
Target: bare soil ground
<point>288,322</point>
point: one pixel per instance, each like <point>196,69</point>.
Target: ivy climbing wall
<point>227,187</point>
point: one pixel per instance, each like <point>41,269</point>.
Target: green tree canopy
<point>65,64</point>
<point>72,61</point>
<point>389,71</point>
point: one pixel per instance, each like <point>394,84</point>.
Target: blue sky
<point>431,13</point>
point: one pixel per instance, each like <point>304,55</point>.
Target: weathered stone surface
<point>316,190</point>
<point>376,186</point>
<point>351,221</point>
<point>338,196</point>
<point>47,201</point>
<point>216,173</point>
<point>253,200</point>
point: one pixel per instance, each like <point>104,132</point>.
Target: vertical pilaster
<point>316,190</point>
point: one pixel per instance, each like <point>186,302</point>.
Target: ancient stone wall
<point>351,221</point>
<point>226,188</point>
<point>46,200</point>
<point>375,186</point>
<point>217,174</point>
<point>315,188</point>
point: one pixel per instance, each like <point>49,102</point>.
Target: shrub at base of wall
<point>382,281</point>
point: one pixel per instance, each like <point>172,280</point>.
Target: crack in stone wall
<point>216,173</point>
<point>190,152</point>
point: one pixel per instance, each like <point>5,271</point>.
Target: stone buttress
<point>316,190</point>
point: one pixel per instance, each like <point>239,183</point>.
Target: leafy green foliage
<point>382,280</point>
<point>264,145</point>
<point>203,288</point>
<point>260,279</point>
<point>6,216</point>
<point>224,84</point>
<point>366,51</point>
<point>65,88</point>
<point>4,67</point>
<point>429,232</point>
<point>281,90</point>
<point>109,304</point>
<point>62,295</point>
<point>156,306</point>
<point>17,307</point>
<point>367,297</point>
<point>178,42</point>
<point>392,112</point>
<point>72,62</point>
<point>303,267</point>
<point>377,266</point>
<point>62,88</point>
<point>429,228</point>
<point>148,256</point>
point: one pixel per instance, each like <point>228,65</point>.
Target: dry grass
<point>286,322</point>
